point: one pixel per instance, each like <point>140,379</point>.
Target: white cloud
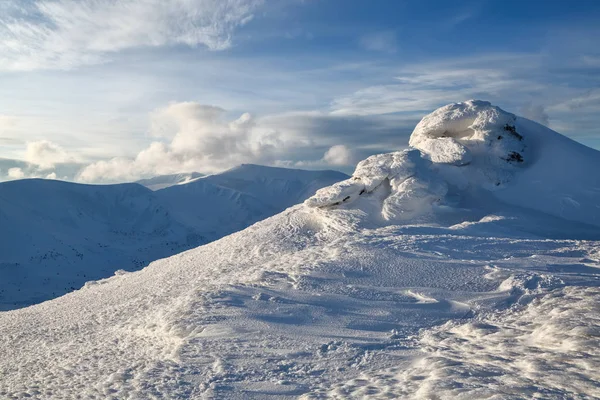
<point>380,41</point>
<point>16,173</point>
<point>28,173</point>
<point>199,138</point>
<point>62,34</point>
<point>339,155</point>
<point>46,155</point>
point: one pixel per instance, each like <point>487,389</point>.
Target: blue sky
<point>104,91</point>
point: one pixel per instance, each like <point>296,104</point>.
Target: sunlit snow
<point>455,269</point>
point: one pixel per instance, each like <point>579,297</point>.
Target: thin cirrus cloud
<point>422,87</point>
<point>384,41</point>
<point>64,34</point>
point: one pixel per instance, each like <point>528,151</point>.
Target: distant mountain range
<point>57,235</point>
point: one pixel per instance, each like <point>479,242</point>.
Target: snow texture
<point>414,279</point>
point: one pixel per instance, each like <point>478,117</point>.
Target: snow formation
<point>477,147</point>
<point>420,277</point>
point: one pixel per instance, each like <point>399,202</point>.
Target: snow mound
<point>471,148</point>
<point>403,175</point>
<point>457,133</point>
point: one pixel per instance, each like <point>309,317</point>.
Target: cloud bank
<point>63,34</point>
<point>192,137</point>
<point>196,137</point>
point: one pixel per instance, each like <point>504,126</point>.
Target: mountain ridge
<point>57,235</point>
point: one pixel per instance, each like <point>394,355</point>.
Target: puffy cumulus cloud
<point>45,155</point>
<point>195,137</point>
<point>339,155</point>
<point>188,136</point>
<point>27,173</point>
<point>63,34</point>
<point>40,159</point>
<point>16,173</point>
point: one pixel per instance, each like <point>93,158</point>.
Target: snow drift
<point>450,270</point>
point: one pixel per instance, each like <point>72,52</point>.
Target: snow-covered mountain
<point>465,267</point>
<point>165,181</point>
<point>56,235</point>
<point>225,203</point>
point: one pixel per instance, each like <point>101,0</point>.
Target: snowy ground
<point>414,279</point>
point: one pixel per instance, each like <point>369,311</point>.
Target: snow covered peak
<point>472,149</point>
<point>456,133</point>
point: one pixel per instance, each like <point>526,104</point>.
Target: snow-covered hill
<point>423,276</point>
<point>55,235</point>
<point>225,203</point>
<point>165,181</point>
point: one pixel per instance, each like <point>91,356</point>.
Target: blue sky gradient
<point>112,92</point>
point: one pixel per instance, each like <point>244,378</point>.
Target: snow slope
<point>165,181</point>
<point>55,236</point>
<point>242,196</point>
<point>419,277</point>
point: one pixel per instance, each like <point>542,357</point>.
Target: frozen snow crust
<point>474,146</point>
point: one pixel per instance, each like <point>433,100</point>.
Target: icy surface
<point>413,279</point>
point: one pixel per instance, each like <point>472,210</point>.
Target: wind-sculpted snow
<point>403,179</point>
<point>554,340</point>
<point>476,147</point>
<point>413,279</point>
<point>462,133</point>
